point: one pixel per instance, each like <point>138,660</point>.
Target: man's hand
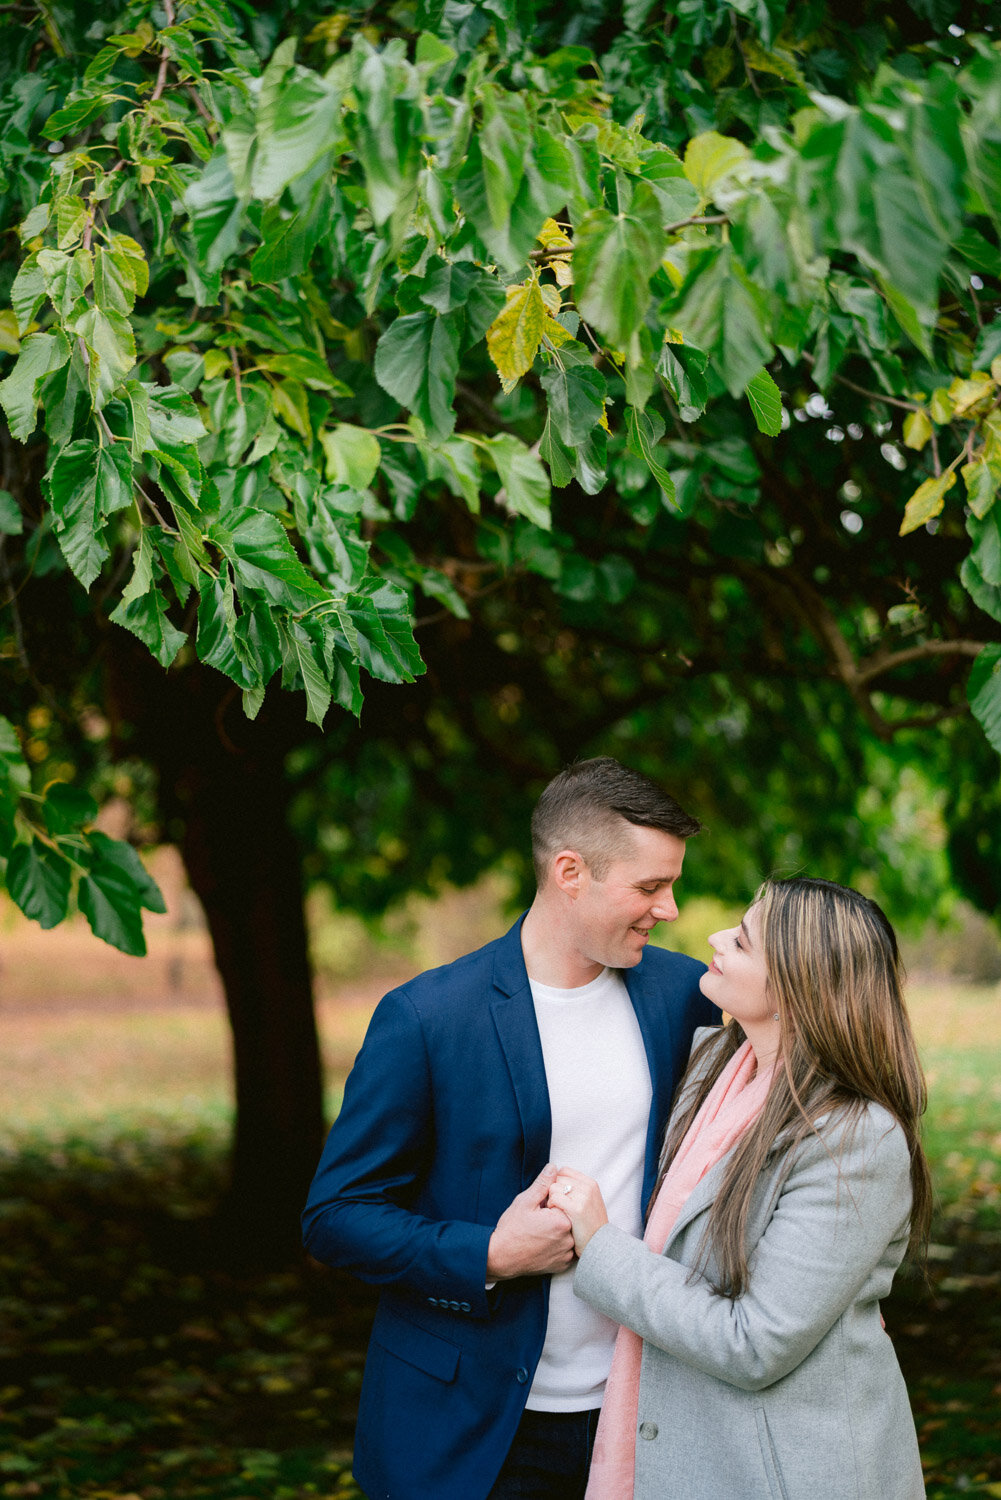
<point>579,1197</point>
<point>530,1239</point>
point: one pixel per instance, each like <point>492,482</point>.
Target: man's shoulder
<point>471,971</point>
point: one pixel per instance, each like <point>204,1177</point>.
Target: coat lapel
<point>657,1027</point>
<point>518,1033</point>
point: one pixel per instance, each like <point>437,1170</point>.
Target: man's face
<point>612,918</point>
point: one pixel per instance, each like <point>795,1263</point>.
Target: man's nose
<point>665,908</point>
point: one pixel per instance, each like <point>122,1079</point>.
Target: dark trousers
<point>549,1458</point>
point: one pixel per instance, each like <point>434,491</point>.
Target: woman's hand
<point>580,1199</point>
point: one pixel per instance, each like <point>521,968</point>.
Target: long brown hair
<point>835,975</point>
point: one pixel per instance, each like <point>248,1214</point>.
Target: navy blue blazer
<point>445,1119</point>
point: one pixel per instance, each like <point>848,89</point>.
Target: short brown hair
<point>584,809</point>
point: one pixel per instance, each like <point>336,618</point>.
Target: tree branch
<point>888,661</point>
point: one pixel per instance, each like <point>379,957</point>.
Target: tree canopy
<point>649,359</point>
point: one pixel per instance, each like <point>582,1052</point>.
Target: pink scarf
<point>734,1101</point>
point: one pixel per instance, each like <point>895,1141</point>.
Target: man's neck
<point>549,958</point>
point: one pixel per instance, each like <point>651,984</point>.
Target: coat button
<point>454,1306</point>
<point>648,1430</point>
<point>464,1307</point>
<point>521,1375</point>
<point>433,1301</point>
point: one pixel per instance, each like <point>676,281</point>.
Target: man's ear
<point>568,872</point>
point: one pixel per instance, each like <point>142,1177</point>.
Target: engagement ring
<point>568,1187</point>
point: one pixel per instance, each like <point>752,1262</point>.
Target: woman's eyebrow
<point>747,935</point>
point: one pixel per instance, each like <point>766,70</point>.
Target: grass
<point>133,1366</point>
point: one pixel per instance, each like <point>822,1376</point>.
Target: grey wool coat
<point>793,1391</point>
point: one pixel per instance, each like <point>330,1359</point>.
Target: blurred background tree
<point>620,382</point>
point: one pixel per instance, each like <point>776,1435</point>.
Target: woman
<point>793,1182</point>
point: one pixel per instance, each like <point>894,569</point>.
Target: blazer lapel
<point>518,1033</point>
<point>657,1028</point>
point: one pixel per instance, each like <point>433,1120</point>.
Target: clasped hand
<point>579,1197</point>
<point>545,1226</point>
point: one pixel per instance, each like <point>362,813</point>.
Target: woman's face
<point>737,980</point>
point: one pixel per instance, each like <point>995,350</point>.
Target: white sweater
<point>600,1096</point>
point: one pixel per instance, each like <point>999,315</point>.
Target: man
<point>560,1043</point>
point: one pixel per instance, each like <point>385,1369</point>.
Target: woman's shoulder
<point>861,1131</point>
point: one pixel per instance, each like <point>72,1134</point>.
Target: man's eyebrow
<point>656,880</point>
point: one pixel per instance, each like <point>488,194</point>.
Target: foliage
<point>51,850</point>
<point>314,322</point>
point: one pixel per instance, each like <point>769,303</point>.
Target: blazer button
<point>454,1306</point>
<point>648,1430</point>
<point>465,1307</point>
<point>521,1375</point>
<point>433,1301</point>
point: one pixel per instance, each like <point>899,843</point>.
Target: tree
<point>638,353</point>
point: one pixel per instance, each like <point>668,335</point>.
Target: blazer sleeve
<point>360,1213</point>
<point>842,1204</point>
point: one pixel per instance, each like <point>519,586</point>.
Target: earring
<point>775,1016</point>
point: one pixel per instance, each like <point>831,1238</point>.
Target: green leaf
<point>216,213</point>
<point>353,455</point>
<point>114,892</point>
<point>142,568</point>
<point>288,240</point>
<point>720,311</point>
<point>145,615</point>
<point>216,641</point>
<point>982,480</point>
<point>263,558</point>
<point>917,430</point>
<point>926,502</point>
<point>111,347</point>
<point>41,353</point>
<point>766,403</point>
<point>11,519</point>
<point>389,128</point>
<point>381,620</point>
<point>664,171</point>
<point>985,534</point>
<point>644,433</point>
<point>514,336</point>
<point>298,120</point>
<point>38,879</point>
<point>709,159</point>
<point>66,278</point>
<point>306,366</point>
<point>114,281</point>
<point>558,457</point>
<point>28,292</point>
<point>524,481</point>
<point>416,362</point>
<point>173,417</point>
<point>67,808</point>
<point>576,400</point>
<point>504,142</point>
<point>73,117</point>
<point>305,660</point>
<point>683,370</point>
<point>615,256</point>
<point>986,596</point>
<point>85,485</point>
<point>455,463</point>
<point>984,693</point>
<point>985,351</point>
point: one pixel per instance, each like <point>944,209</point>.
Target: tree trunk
<point>224,801</point>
